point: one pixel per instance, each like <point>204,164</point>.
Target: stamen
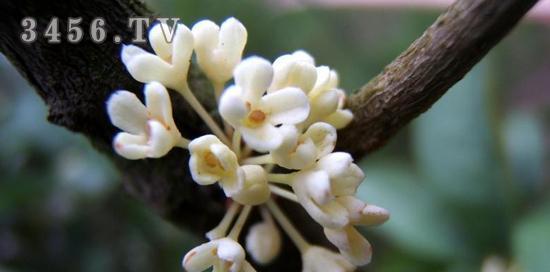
<point>257,116</point>
<point>211,160</point>
<point>289,229</point>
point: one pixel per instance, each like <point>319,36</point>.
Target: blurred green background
<point>465,181</point>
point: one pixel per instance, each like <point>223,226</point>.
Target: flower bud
<point>263,242</point>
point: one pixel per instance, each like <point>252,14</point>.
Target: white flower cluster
<point>280,123</point>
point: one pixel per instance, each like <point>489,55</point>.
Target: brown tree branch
<point>75,80</point>
<point>408,86</point>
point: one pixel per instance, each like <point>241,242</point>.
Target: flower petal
<point>317,259</point>
<point>232,40</point>
<point>311,190</point>
<point>255,189</point>
<point>158,103</point>
<point>323,136</point>
<point>293,71</point>
<point>335,164</point>
<point>182,49</point>
<point>291,154</point>
<point>363,214</point>
<point>146,67</point>
<point>129,146</point>
<point>231,251</point>
<point>340,118</point>
<point>263,138</point>
<point>158,38</point>
<point>203,143</point>
<point>127,112</point>
<point>205,37</point>
<point>160,140</point>
<point>232,107</point>
<point>351,244</point>
<point>324,103</point>
<point>373,215</point>
<point>200,258</point>
<point>286,106</point>
<point>253,75</point>
<point>199,176</point>
<point>347,184</point>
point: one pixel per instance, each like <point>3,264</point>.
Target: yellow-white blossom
<point>212,161</point>
<point>294,70</point>
<point>148,131</point>
<point>318,259</point>
<point>222,254</point>
<point>287,112</point>
<point>256,115</point>
<point>313,190</point>
<point>299,151</point>
<point>318,189</point>
<point>254,189</point>
<point>219,48</point>
<point>170,63</point>
<point>341,117</point>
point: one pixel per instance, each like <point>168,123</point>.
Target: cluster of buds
<point>280,123</point>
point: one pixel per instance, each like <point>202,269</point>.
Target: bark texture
<point>75,80</point>
<point>408,86</point>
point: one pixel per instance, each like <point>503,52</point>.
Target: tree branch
<point>409,85</point>
<point>75,80</point>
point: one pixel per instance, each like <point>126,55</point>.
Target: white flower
<point>254,189</point>
<point>341,117</point>
<point>148,131</point>
<point>263,241</point>
<point>256,115</point>
<point>318,189</point>
<point>351,244</point>
<point>294,70</point>
<point>345,176</point>
<point>313,190</point>
<point>170,63</point>
<point>219,49</point>
<point>212,161</point>
<point>318,259</point>
<point>222,254</point>
<point>301,151</point>
<point>323,98</point>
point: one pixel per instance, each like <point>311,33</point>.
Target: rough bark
<point>75,80</point>
<point>409,85</point>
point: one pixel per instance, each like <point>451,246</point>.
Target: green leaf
<point>419,223</point>
<point>524,146</point>
<point>531,240</point>
<point>453,143</point>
